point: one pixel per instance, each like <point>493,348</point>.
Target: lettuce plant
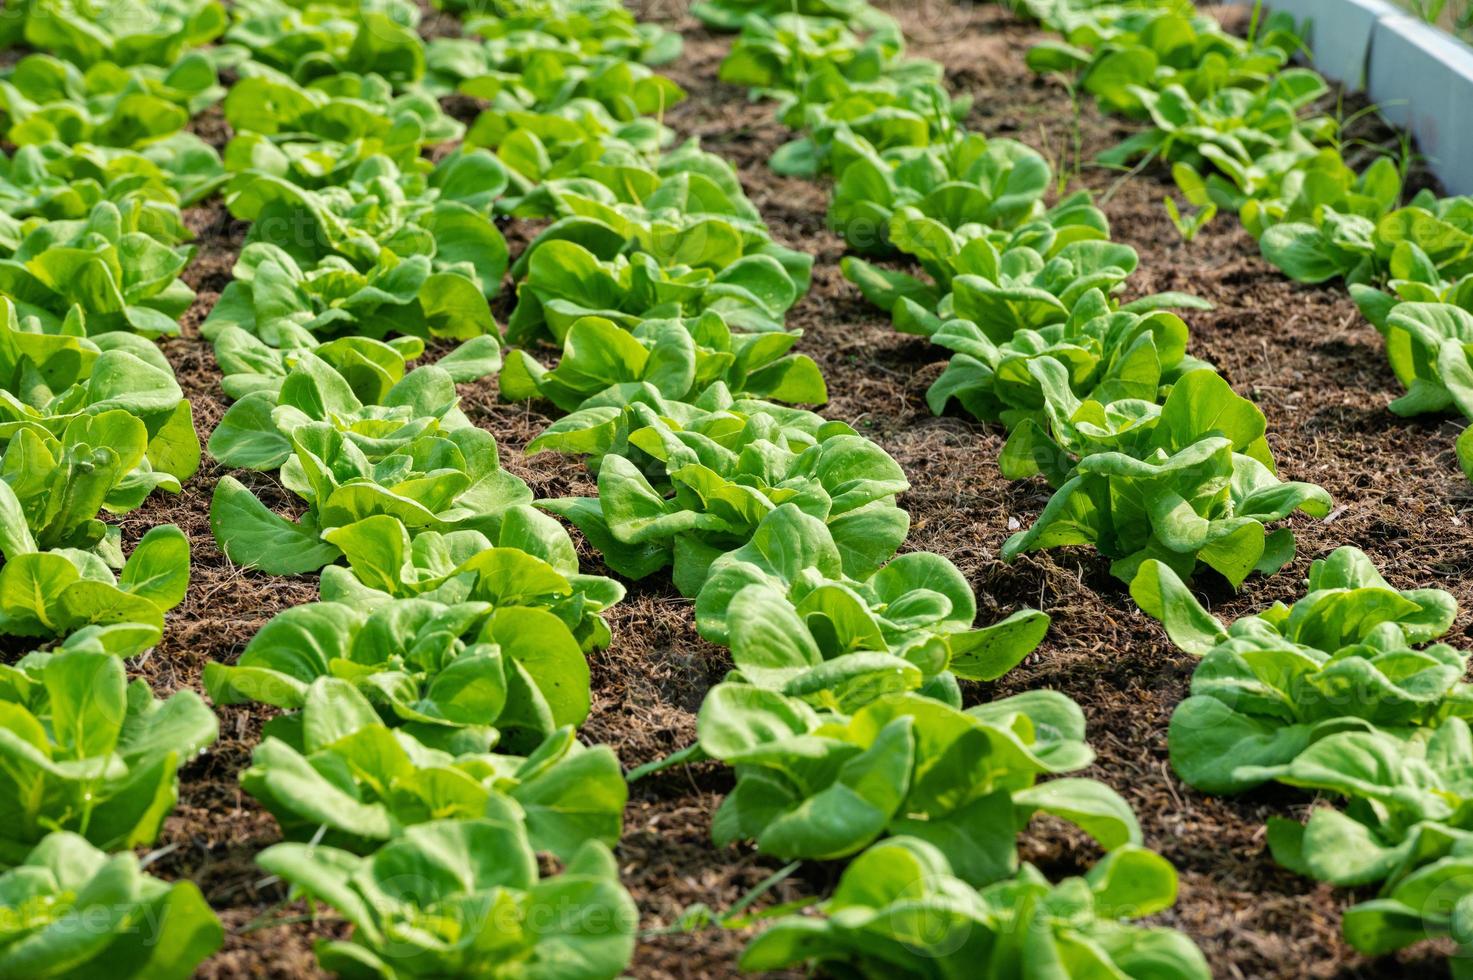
<point>441,214</point>
<point>843,670</point>
<point>549,80</point>
<point>1200,405</point>
<point>1100,356</point>
<point>1005,291</point>
<point>531,562</point>
<point>1404,821</point>
<point>821,786</point>
<point>530,141</point>
<point>596,27</point>
<point>851,120</point>
<point>1342,658</point>
<point>285,305</point>
<point>106,266</point>
<point>1127,52</point>
<point>685,213</point>
<point>55,181</point>
<point>968,180</point>
<point>851,97</point>
<point>399,11</point>
<point>1426,344</point>
<point>778,55</point>
<point>1203,503</point>
<point>369,368</point>
<point>795,623</point>
<point>45,99</point>
<point>1063,250</point>
<point>122,33</point>
<point>398,460</point>
<point>504,47</point>
<point>1243,123</point>
<point>620,204</point>
<point>1428,347</point>
<point>680,357</point>
<point>690,491</point>
<point>1338,694</point>
<point>318,40</point>
<point>549,155</point>
<point>359,389</point>
<point>88,752</point>
<point>1297,185</point>
<point>1426,248</point>
<point>609,182</point>
<point>445,672</point>
<point>463,898</point>
<point>1189,481</point>
<point>702,266</point>
<point>319,132</point>
<point>1407,800</point>
<point>901,906</point>
<point>48,382</point>
<point>69,909</point>
<point>1020,290</point>
<point>355,436</point>
<point>53,593</point>
<point>56,485</point>
<point>945,252</point>
<point>732,15</point>
<point>334,772</point>
<point>1411,286</point>
<point>1335,245</point>
<point>689,212</point>
<point>1425,904</point>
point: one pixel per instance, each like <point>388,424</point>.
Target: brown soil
<point>211,127</point>
<point>435,22</point>
<point>1303,354</point>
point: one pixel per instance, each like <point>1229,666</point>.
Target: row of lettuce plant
<point>1151,453</point>
<point>1331,694</point>
<point>92,241</point>
<point>461,620</point>
<point>1238,126</point>
<point>427,751</point>
<point>90,252</point>
<point>843,718</point>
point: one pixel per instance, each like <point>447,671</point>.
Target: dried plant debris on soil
<point>1303,354</point>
